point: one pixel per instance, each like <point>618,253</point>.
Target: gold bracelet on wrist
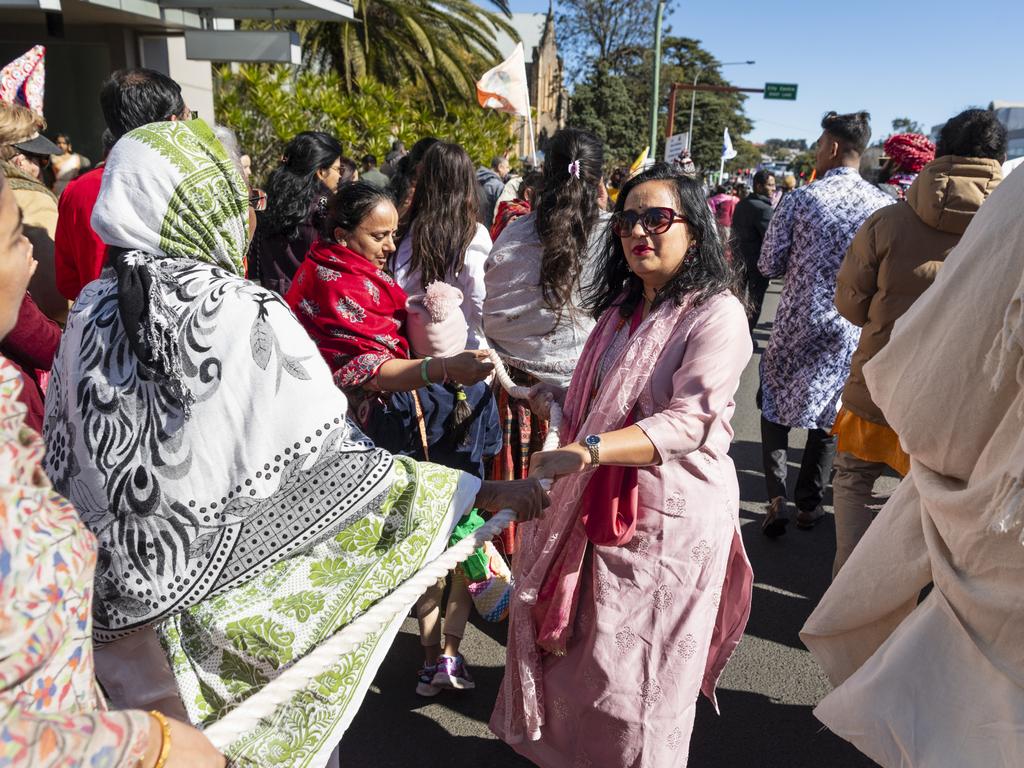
<point>165,734</point>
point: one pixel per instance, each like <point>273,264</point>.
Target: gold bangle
<point>165,734</point>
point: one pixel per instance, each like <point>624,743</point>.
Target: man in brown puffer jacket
<point>894,258</point>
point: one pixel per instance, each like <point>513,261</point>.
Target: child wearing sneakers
<point>443,666</point>
<point>436,327</point>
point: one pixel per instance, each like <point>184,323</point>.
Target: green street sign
<point>786,91</point>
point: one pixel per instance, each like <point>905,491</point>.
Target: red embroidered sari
<point>352,310</point>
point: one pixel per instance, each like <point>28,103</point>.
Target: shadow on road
<point>774,736</point>
<point>394,728</point>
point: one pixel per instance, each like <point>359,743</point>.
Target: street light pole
<point>693,102</point>
<point>693,94</point>
<point>656,80</point>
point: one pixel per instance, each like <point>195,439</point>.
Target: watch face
<point>593,440</point>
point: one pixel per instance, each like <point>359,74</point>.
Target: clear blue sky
<point>922,59</point>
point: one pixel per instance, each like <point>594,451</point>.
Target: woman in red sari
<point>356,313</point>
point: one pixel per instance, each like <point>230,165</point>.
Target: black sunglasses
<point>654,221</point>
<point>258,199</point>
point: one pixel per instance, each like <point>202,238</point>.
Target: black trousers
<point>757,285</point>
<point>815,467</point>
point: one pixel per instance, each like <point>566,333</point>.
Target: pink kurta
<point>658,618</point>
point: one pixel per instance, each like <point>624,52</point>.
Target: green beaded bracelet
<point>423,370</point>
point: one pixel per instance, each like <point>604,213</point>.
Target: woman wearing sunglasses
<point>634,590</point>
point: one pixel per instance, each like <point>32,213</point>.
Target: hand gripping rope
<point>265,702</point>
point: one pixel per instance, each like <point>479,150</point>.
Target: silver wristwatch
<point>593,444</point>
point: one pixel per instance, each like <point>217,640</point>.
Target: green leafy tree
<point>771,146</point>
<point>268,105</point>
<point>441,46</point>
<point>802,165</point>
<point>747,156</point>
<point>591,33</point>
<point>603,104</point>
<point>713,112</point>
<point>906,125</point>
<point>613,100</point>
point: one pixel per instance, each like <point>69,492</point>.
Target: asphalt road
<point>766,693</point>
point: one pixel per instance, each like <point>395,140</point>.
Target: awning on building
<point>321,10</point>
<point>186,13</point>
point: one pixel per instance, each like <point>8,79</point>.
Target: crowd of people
<point>233,418</point>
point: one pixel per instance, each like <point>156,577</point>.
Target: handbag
<point>492,595</point>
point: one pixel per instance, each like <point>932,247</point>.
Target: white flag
<point>504,88</point>
<point>728,153</point>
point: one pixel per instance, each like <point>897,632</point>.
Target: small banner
<point>504,87</point>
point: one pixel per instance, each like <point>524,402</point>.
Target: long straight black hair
<point>443,214</point>
<point>703,274</point>
<point>443,220</point>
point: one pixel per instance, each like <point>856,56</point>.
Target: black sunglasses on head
<point>257,199</point>
<point>654,221</point>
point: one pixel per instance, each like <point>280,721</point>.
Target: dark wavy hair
<point>567,210</point>
<point>702,275</point>
<point>293,185</point>
<point>973,133</point>
<point>351,205</point>
<point>443,214</point>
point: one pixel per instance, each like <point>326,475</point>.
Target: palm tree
<point>436,44</point>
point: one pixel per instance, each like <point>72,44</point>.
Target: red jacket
<point>31,346</point>
<point>78,252</point>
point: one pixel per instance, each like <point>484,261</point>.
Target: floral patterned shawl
<point>352,310</point>
<point>192,478</point>
<point>195,204</point>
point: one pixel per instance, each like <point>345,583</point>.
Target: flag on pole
<point>504,87</point>
<point>640,162</point>
<point>728,153</point>
<point>22,81</point>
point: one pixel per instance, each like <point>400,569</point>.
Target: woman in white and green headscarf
<point>198,432</point>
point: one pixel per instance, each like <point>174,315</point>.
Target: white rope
<point>262,704</point>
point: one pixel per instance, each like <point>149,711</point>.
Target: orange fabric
<point>869,441</point>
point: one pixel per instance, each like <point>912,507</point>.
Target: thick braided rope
<point>244,718</point>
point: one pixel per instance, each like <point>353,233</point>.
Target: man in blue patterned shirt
<point>808,356</point>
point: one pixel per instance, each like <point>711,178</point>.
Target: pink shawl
<point>552,549</point>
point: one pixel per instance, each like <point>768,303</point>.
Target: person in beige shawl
<point>940,682</point>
